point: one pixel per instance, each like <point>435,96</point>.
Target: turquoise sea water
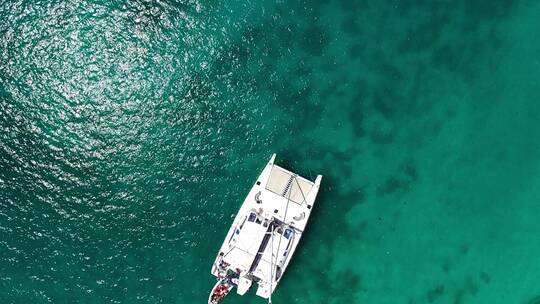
<point>132,130</point>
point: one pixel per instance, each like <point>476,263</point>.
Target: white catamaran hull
<point>266,231</point>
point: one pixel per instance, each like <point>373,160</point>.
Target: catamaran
<point>264,233</point>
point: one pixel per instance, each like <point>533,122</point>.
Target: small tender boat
<point>265,233</point>
<point>220,290</point>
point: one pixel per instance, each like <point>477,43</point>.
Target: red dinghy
<point>220,290</point>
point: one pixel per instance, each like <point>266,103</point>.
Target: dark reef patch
<point>426,35</point>
<point>435,293</point>
<point>410,170</point>
<point>382,136</point>
<point>357,118</point>
<point>384,102</point>
<point>485,277</point>
<point>320,276</point>
<point>391,185</point>
<point>464,248</point>
<point>535,300</point>
<point>469,289</point>
<point>399,182</point>
<point>446,265</point>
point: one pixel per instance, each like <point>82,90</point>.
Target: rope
<point>279,244</point>
<point>302,192</point>
<point>271,267</point>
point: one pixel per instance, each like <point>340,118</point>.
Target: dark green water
<point>132,130</point>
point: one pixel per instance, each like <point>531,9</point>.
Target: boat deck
<point>267,229</point>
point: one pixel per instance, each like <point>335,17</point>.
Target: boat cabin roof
<point>245,241</point>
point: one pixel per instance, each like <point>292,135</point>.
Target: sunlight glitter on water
<point>129,126</point>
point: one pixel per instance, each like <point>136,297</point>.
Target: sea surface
<point>131,131</point>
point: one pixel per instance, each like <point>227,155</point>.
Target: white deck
<point>279,198</point>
